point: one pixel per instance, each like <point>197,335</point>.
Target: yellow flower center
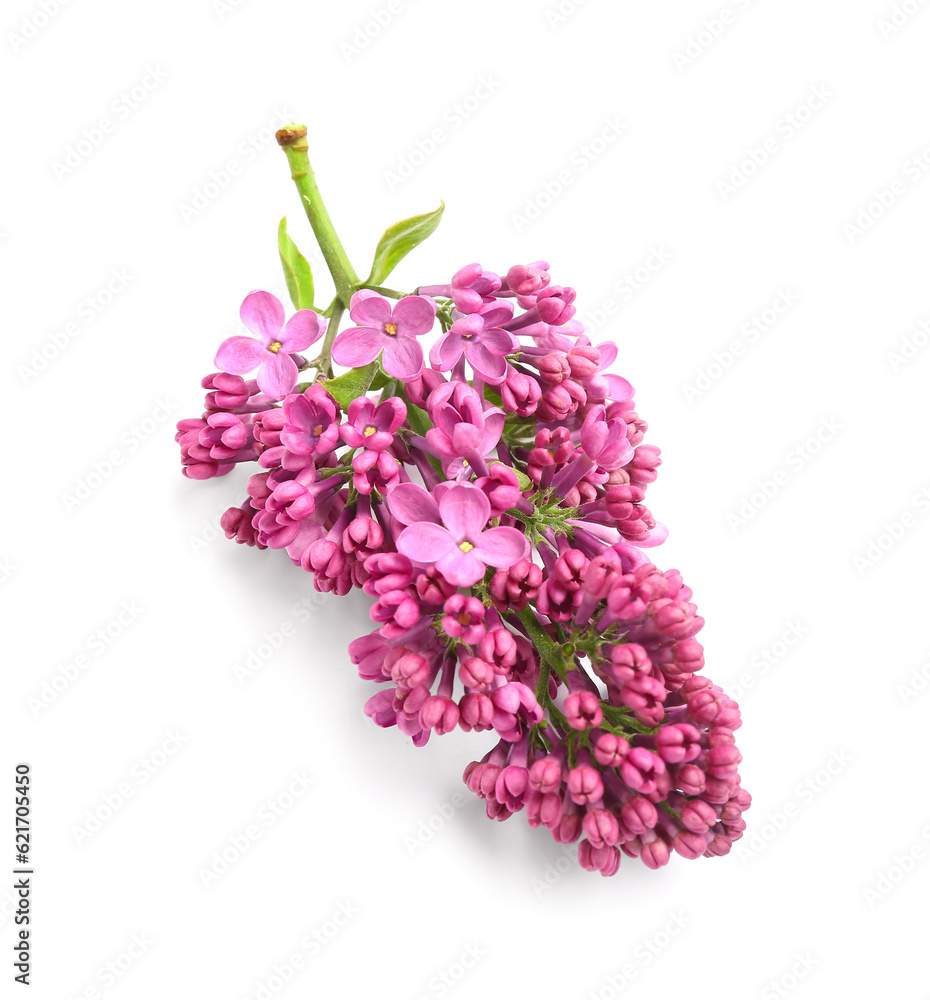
<point>318,430</point>
<point>466,546</point>
<point>275,346</point>
<point>464,618</point>
<point>390,329</point>
<point>369,430</point>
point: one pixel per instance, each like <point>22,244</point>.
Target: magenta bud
<point>585,785</point>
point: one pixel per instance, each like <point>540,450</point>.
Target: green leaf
<point>398,240</point>
<point>353,384</point>
<point>297,271</point>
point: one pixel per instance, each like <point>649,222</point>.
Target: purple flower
<point>311,424</point>
<point>478,336</point>
<point>463,426</point>
<point>271,348</point>
<point>370,427</point>
<point>460,547</point>
<point>383,329</point>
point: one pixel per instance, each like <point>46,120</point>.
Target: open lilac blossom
<point>462,547</point>
<point>479,338</point>
<point>274,342</point>
<point>381,328</point>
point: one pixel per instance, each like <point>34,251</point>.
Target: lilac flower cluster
<point>490,497</point>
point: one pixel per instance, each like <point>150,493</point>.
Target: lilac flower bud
<point>543,809</point>
<point>645,696</point>
<point>380,710</point>
<point>439,713</point>
<point>601,858</point>
<point>512,786</point>
<point>237,523</point>
<point>698,815</point>
<point>639,815</point>
<point>520,393</point>
<point>406,668</point>
<point>476,712</point>
<point>368,653</point>
<point>554,368</point>
<point>482,778</point>
<point>610,749</point>
<point>601,827</point>
<point>584,362</point>
<point>432,587</point>
<point>655,854</point>
<point>585,785</point>
<point>387,571</point>
<point>570,569</point>
<point>476,674</point>
<point>690,779</point>
<point>690,845</point>
<point>641,769</point>
<point>677,744</point>
<point>229,391</point>
<point>546,775</point>
<point>642,467</point>
<point>514,588</point>
<point>628,660</point>
<point>499,648</point>
<point>528,279</point>
<point>583,710</point>
<point>568,830</point>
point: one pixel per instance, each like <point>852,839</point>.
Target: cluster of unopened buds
<point>481,475</point>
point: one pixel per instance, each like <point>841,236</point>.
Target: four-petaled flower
<point>373,427</point>
<point>462,547</point>
<point>383,329</point>
<point>271,348</point>
<point>478,336</point>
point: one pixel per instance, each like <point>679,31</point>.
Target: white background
<point>124,264</point>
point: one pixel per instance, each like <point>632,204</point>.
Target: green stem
<point>389,292</point>
<point>293,141</point>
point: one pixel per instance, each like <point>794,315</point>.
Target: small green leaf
<point>353,384</point>
<point>297,271</point>
<point>398,240</point>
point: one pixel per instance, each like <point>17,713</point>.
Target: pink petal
<point>502,547</point>
<point>263,314</point>
<point>465,511</point>
<point>410,503</point>
<point>499,341</point>
<point>403,357</point>
<point>491,367</point>
<point>497,313</point>
<point>368,308</point>
<point>425,542</point>
<point>414,315</point>
<point>359,345</point>
<point>304,328</point>
<point>446,351</point>
<point>278,374</point>
<point>656,537</point>
<point>620,390</point>
<point>460,568</point>
<point>608,354</point>
<point>238,355</point>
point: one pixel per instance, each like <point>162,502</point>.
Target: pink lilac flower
<point>462,547</point>
<point>383,328</point>
<point>479,338</point>
<point>274,342</point>
<point>373,427</point>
